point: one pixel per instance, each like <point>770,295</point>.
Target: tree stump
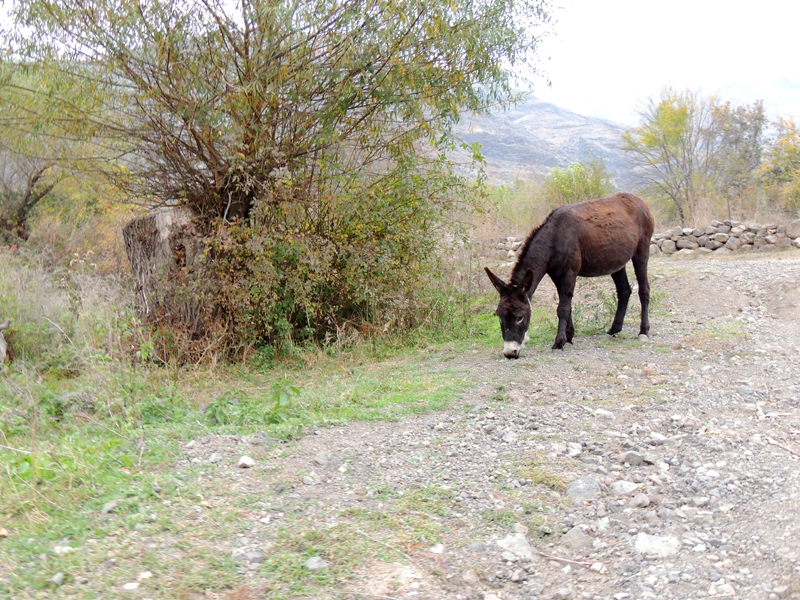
<point>175,290</point>
<point>158,249</point>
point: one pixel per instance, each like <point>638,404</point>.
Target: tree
<point>781,167</point>
<point>672,149</point>
<point>687,147</point>
<point>309,138</point>
<point>741,143</point>
<point>575,183</point>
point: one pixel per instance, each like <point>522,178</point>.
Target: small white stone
<point>246,462</point>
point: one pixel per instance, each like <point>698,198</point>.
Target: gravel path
<point>612,470</point>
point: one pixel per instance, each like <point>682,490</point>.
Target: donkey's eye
<point>520,320</point>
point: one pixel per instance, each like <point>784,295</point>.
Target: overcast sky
<point>607,56</point>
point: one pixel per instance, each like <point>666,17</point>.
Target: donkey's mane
<point>519,270</point>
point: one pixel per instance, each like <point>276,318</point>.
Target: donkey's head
<point>514,312</point>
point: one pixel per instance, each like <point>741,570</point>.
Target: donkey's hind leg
<point>623,295</point>
<point>640,268</point>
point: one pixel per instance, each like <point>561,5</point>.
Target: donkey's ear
<point>526,283</point>
<point>498,283</point>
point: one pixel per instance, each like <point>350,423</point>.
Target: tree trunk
<point>17,224</point>
<point>157,251</point>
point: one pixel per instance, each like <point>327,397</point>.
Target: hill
<point>536,136</point>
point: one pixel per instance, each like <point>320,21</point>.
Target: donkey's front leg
<point>566,288</point>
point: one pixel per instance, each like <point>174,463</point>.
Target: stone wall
<point>720,237</point>
<point>723,237</point>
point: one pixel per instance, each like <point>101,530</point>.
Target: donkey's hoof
<point>643,338</point>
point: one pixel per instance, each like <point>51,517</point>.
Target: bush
<point>61,321</point>
<point>576,183</point>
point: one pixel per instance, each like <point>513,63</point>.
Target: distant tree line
<point>688,148</point>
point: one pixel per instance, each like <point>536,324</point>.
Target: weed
<point>502,518</point>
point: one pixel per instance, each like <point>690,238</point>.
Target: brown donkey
<point>589,239</point>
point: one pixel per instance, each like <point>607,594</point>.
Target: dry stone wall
<point>724,237</point>
<point>720,237</point>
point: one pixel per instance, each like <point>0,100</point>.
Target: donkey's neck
<point>535,255</point>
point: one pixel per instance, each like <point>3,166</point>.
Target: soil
<point>612,469</point>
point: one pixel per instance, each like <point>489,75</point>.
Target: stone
<point>470,577</point>
<point>632,458</point>
<point>518,545</point>
<point>575,540</point>
<point>520,528</point>
<point>109,507</point>
<point>328,460</point>
<point>58,579</point>
<point>639,501</point>
<point>509,437</point>
<point>656,545</point>
<point>654,250</point>
<point>793,229</point>
<point>604,414</point>
<point>245,462</point>
<point>315,563</point>
<point>582,489</point>
<point>687,243</point>
<point>720,237</point>
<point>563,594</point>
<point>668,247</point>
<point>733,243</point>
<point>622,487</point>
<point>573,449</point>
<point>535,588</point>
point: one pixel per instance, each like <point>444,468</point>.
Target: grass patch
<point>540,475</point>
<point>285,574</point>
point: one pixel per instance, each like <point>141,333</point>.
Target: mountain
<point>536,136</point>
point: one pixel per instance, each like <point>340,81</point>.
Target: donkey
<point>590,239</point>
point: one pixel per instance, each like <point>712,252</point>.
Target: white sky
<point>607,56</point>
